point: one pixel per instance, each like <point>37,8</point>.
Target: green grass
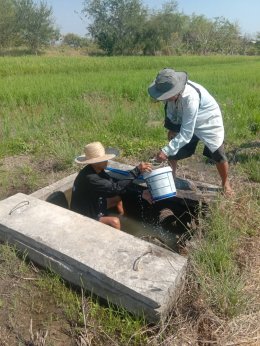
<point>218,263</point>
<point>215,268</point>
<point>54,105</point>
<point>83,310</point>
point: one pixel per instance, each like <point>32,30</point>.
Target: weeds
<point>88,316</point>
<point>217,269</point>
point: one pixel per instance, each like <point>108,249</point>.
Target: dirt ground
<point>27,311</point>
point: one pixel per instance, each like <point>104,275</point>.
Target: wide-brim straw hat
<point>94,153</point>
<point>167,84</point>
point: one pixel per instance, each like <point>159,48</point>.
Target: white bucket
<point>160,183</point>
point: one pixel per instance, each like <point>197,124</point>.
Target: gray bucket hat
<point>168,83</point>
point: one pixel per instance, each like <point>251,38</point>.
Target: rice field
<point>54,105</point>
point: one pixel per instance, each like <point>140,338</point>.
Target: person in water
<point>94,192</point>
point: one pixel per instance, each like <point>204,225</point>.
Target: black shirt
<point>90,190</point>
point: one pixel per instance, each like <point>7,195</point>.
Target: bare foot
<point>228,192</point>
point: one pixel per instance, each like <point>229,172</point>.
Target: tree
<point>198,37</point>
<point>164,30</point>
<point>73,40</point>
<point>7,22</point>
<point>35,26</point>
<point>226,36</point>
<point>152,39</point>
<point>117,25</point>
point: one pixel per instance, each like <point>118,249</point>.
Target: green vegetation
<point>25,23</point>
<point>215,267</point>
<point>121,27</point>
<point>51,107</point>
<point>91,314</point>
<point>127,27</point>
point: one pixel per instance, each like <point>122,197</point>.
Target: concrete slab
<point>140,276</point>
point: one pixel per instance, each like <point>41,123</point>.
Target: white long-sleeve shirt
<point>197,115</point>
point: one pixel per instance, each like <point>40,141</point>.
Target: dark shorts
<point>189,149</point>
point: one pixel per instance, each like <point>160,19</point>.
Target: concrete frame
<point>139,276</point>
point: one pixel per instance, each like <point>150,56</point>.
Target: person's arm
<point>190,111</point>
<point>109,188</point>
<point>141,168</point>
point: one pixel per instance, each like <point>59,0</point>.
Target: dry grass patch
<point>26,174</point>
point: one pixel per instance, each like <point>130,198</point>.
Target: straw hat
<point>94,153</point>
<point>167,84</point>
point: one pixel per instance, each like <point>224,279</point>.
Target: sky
<point>67,13</point>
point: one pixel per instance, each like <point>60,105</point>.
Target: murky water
<point>149,232</point>
<point>143,221</point>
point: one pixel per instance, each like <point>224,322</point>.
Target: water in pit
<point>165,223</point>
<point>152,233</point>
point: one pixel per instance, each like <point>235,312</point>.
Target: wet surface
<point>153,233</point>
<point>165,223</point>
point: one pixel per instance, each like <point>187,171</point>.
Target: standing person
<point>191,114</point>
<point>94,192</point>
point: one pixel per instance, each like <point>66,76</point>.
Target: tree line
<point>124,27</point>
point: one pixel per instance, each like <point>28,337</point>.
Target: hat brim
<point>160,96</point>
<point>83,161</point>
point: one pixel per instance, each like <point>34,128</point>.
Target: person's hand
<point>160,157</point>
<point>145,167</point>
<point>147,196</point>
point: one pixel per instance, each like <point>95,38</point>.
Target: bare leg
<point>120,208</point>
<point>117,203</point>
<point>173,164</point>
<point>112,221</point>
<point>222,168</point>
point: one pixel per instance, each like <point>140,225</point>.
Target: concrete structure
<point>142,277</point>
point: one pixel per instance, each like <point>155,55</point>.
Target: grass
<point>216,268</point>
<point>52,106</point>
